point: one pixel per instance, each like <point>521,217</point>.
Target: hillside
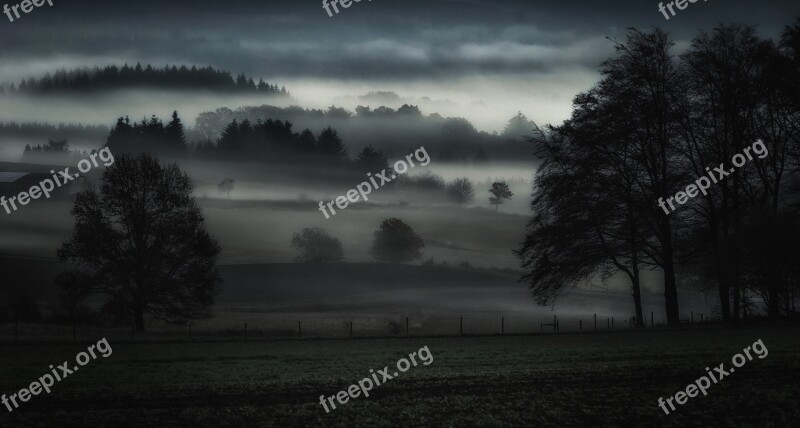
<point>112,77</point>
<point>279,281</point>
<point>287,281</point>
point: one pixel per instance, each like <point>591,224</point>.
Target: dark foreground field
<point>565,380</point>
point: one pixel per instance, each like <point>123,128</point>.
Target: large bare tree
<point>141,241</point>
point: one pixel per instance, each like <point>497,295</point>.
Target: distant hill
<point>278,281</point>
<point>112,77</point>
<point>361,287</point>
<point>448,139</point>
<point>294,281</point>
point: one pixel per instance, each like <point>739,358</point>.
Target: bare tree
<point>461,191</point>
<point>141,241</point>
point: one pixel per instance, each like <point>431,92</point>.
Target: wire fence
<point>249,326</point>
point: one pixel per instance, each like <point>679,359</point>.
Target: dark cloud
<point>371,40</point>
<point>490,58</point>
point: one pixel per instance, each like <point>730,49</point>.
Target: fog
<point>105,108</point>
<point>486,101</point>
<point>480,61</point>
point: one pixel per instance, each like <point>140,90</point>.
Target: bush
<point>316,246</point>
<point>461,191</point>
<point>425,182</point>
<point>396,242</point>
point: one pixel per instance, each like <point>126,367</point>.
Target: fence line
<point>355,327</point>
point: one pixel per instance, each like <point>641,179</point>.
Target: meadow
<point>610,379</point>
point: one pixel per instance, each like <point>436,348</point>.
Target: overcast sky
<point>489,58</point>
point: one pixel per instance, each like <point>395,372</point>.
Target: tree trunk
<point>637,296</point>
<point>139,318</point>
<point>724,298</point>
<point>671,295</point>
<point>722,279</point>
<point>774,296</point>
<point>637,289</point>
<point>737,280</point>
<point>774,303</point>
<point>670,287</point>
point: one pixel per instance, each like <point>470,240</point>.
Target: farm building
<point>20,177</point>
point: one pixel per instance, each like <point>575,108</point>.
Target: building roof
<point>30,167</point>
<point>10,177</point>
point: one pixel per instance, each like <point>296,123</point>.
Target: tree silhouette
<point>481,156</point>
<point>316,246</point>
<point>174,135</point>
<point>371,160</point>
<point>725,72</point>
<point>396,242</point>
<point>330,145</point>
<point>461,191</point>
<point>148,136</point>
<point>518,127</point>
<point>591,214</point>
<point>306,142</point>
<point>500,193</point>
<point>226,186</point>
<point>75,290</point>
<point>141,241</point>
<point>85,80</point>
<point>586,206</point>
<point>643,82</point>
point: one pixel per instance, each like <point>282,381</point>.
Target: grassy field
<point>566,380</point>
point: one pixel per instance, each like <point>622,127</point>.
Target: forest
<point>89,80</point>
<point>653,124</point>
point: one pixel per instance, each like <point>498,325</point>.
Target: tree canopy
<point>396,242</point>
<point>141,241</point>
<point>87,80</point>
<point>646,131</point>
<point>317,246</point>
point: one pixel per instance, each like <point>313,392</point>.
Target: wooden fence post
<point>580,325</point>
<point>351,329</point>
<point>651,318</point>
<point>461,326</point>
